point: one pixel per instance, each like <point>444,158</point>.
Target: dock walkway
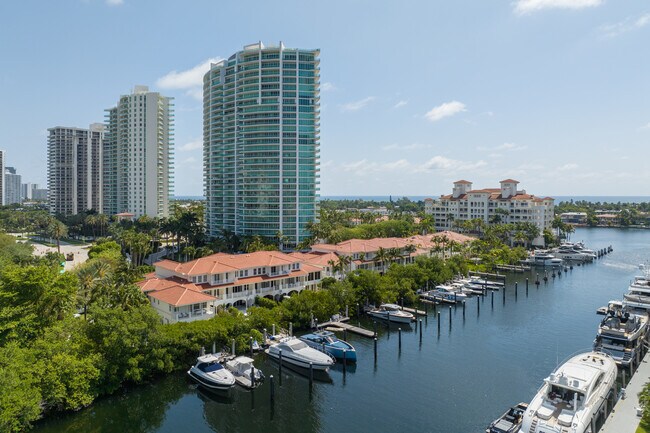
<point>623,418</point>
<point>346,326</point>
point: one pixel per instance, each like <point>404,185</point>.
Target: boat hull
<point>298,362</point>
<point>390,317</point>
<point>207,383</point>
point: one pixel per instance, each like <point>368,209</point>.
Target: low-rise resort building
<point>492,205</point>
<point>183,292</point>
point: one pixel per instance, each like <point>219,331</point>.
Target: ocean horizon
<point>379,198</point>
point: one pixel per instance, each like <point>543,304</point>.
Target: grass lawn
<point>643,428</point>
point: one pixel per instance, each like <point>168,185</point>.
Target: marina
<point>455,358</point>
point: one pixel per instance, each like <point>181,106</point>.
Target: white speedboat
<point>572,396</point>
<point>447,293</point>
<point>574,252</point>
<point>542,258</point>
<point>209,372</point>
<point>510,421</point>
<point>622,333</point>
<point>296,352</point>
<point>392,313</point>
<point>246,375</point>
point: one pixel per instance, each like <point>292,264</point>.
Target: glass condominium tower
<point>261,119</point>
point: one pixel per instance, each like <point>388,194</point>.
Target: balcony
<point>191,316</point>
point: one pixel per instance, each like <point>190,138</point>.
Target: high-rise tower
<point>74,172</point>
<point>261,136</point>
<point>137,154</point>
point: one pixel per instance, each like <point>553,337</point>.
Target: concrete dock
<point>624,418</point>
<point>350,328</point>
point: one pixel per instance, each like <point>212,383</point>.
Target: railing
<point>195,315</point>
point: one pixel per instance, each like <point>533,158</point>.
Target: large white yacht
<point>622,334</point>
<point>573,396</point>
<point>542,258</point>
<point>296,352</point>
<point>447,293</point>
<point>392,313</point>
<point>574,252</point>
<point>638,295</point>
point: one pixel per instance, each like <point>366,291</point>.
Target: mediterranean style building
<point>505,204</point>
<point>193,290</point>
<point>261,134</point>
<point>74,169</point>
<point>137,154</point>
<point>183,292</point>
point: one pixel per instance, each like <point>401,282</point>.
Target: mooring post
<point>399,339</point>
<point>420,329</point>
<point>252,376</point>
<point>526,287</point>
<point>516,290</point>
<point>438,322</point>
<point>280,365</point>
<point>273,329</point>
<point>290,329</point>
<point>492,299</point>
<point>272,388</point>
<point>265,335</point>
<point>450,317</point>
<point>374,324</point>
<point>345,334</point>
<point>426,308</point>
<point>251,345</point>
<point>345,361</point>
<point>463,309</point>
<point>232,348</point>
<point>375,348</point>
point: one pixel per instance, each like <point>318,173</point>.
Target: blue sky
<point>415,94</point>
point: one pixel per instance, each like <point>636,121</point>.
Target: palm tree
<point>380,257</point>
<point>57,230</point>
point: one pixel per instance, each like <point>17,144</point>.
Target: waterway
<point>453,382</point>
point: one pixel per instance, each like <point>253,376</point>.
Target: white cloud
<point>114,2</point>
<point>190,80</point>
<point>357,105</point>
<point>511,147</point>
<point>412,146</point>
<point>524,7</point>
<point>628,24</point>
<point>450,165</point>
<point>364,167</point>
<point>646,126</point>
<point>400,104</point>
<point>192,145</point>
<point>445,110</point>
<point>327,87</point>
<point>567,167</point>
<point>189,160</point>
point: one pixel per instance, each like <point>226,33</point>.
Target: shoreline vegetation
<point>67,338</point>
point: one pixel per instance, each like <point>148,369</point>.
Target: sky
<point>414,94</point>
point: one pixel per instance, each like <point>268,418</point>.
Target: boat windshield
<point>558,394</point>
<point>329,340</point>
<point>296,345</point>
<point>210,367</point>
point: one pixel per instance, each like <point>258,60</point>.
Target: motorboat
<point>246,375</point>
<point>622,333</point>
<point>299,354</point>
<point>574,252</point>
<point>392,313</point>
<point>477,283</point>
<point>573,396</point>
<point>542,258</point>
<point>328,342</point>
<point>510,421</point>
<point>447,293</point>
<point>638,295</point>
<point>210,373</point>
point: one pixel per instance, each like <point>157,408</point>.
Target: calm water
<point>455,382</point>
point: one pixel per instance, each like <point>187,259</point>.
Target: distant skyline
<point>415,95</point>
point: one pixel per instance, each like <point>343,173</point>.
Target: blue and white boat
<point>327,341</point>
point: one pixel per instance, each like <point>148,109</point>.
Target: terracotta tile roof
<point>179,295</point>
<point>462,181</point>
<point>221,262</point>
<point>154,284</point>
<point>509,181</point>
<point>316,258</point>
<point>353,246</point>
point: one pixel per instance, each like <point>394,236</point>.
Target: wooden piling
<point>272,393</point>
<point>399,338</point>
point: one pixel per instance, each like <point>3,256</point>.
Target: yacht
<point>209,372</point>
<point>574,252</point>
<point>542,258</point>
<point>479,283</point>
<point>246,375</point>
<point>446,293</point>
<point>622,333</point>
<point>510,421</point>
<point>392,313</point>
<point>638,295</point>
<point>297,353</point>
<point>573,396</point>
<point>328,342</point>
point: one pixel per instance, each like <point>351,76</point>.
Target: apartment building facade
<point>506,204</point>
<point>74,169</point>
<point>137,154</point>
<point>261,117</point>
